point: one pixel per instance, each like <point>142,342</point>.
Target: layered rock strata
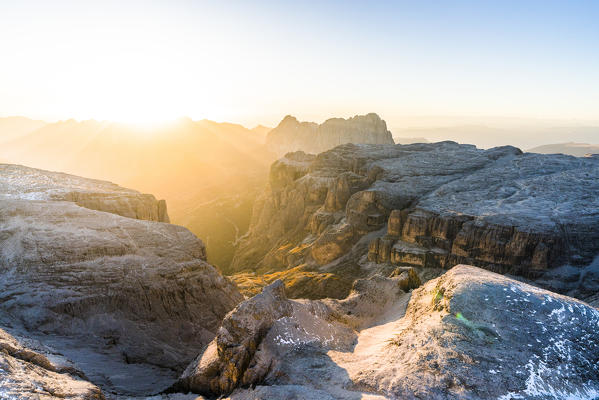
<point>19,182</point>
<point>359,208</point>
<point>130,301</point>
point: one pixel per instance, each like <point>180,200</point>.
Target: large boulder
<point>474,334</point>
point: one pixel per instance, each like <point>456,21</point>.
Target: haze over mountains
<point>210,173</point>
<point>575,149</point>
<point>485,133</point>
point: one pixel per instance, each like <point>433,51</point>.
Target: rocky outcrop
<point>19,182</point>
<point>128,300</point>
<point>29,374</point>
<point>363,209</point>
<point>473,334</point>
<point>291,135</point>
<point>469,334</point>
<point>258,341</point>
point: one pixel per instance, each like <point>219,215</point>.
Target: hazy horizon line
<point>450,120</point>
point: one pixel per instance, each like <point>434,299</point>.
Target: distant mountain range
<point>571,148</point>
<point>208,172</point>
<point>524,136</point>
<point>15,127</point>
<point>291,135</point>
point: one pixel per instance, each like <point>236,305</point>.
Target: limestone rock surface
<point>270,338</point>
<point>19,182</point>
<point>362,209</point>
<point>129,301</point>
<point>29,374</point>
<point>469,334</point>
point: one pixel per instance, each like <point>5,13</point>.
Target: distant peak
<point>288,120</point>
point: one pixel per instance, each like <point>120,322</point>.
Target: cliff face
<point>291,135</point>
<point>19,182</point>
<point>363,208</point>
<point>469,334</point>
<point>130,301</point>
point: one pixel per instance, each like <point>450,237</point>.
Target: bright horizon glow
<point>150,62</point>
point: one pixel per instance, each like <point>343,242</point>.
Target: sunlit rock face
<point>359,209</point>
<point>130,301</point>
<point>271,339</point>
<point>477,334</point>
<point>469,334</point>
<point>19,182</point>
<point>291,135</point>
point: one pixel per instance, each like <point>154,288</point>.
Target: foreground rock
<point>27,374</point>
<point>130,301</point>
<point>470,334</point>
<point>260,340</point>
<point>363,209</point>
<point>291,135</point>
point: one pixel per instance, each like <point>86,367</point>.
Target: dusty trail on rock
<point>364,360</point>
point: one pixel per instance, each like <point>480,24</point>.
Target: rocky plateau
<point>356,210</point>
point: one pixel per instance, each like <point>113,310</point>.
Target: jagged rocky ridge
<point>292,135</point>
<point>469,334</point>
<point>129,301</point>
<point>355,210</point>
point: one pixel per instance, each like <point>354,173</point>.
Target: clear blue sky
<point>254,61</point>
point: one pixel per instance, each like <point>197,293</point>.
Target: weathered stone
<point>292,135</point>
<point>431,206</point>
<point>408,278</point>
<point>99,286</point>
<point>19,182</point>
<point>470,334</point>
<point>333,243</point>
<point>224,364</point>
<point>259,339</point>
<point>29,374</point>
